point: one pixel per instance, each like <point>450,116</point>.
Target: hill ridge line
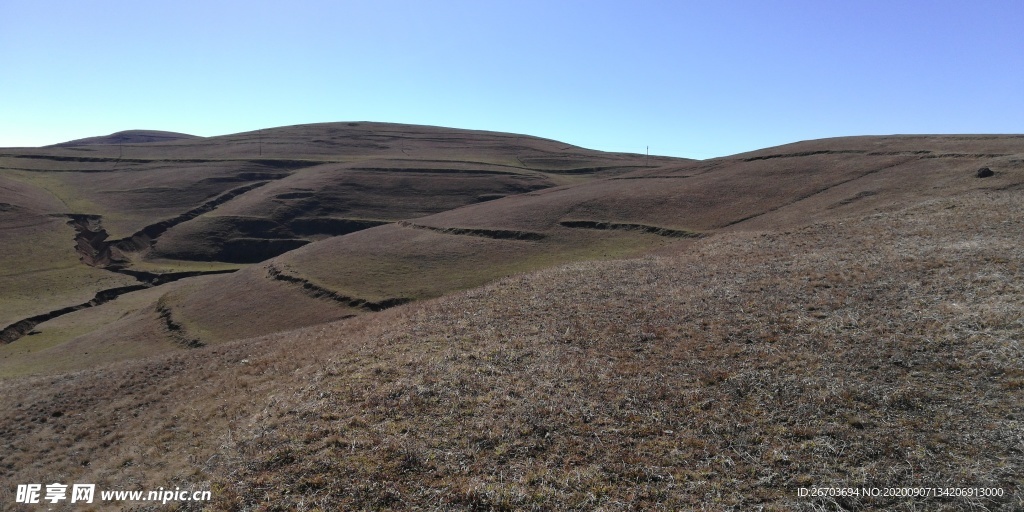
<point>270,162</point>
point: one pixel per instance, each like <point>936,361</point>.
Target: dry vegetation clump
<point>882,351</point>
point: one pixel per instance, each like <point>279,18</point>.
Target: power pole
<point>648,157</point>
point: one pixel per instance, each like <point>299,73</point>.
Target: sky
<point>693,79</point>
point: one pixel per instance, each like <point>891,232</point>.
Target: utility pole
<point>648,157</point>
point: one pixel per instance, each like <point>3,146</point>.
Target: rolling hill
<point>366,316</point>
<point>128,137</point>
<point>116,217</point>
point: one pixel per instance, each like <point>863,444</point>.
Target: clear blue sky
<point>694,79</point>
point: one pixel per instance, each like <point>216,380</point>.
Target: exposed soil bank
<point>156,279</point>
<point>654,230</point>
<point>143,238</point>
<point>96,251</point>
<point>22,327</point>
<point>177,331</point>
<point>499,234</point>
<point>91,240</point>
<point>148,280</point>
<point>317,291</point>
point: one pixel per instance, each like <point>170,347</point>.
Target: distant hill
<point>128,137</point>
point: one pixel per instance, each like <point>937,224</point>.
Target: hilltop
<point>128,137</point>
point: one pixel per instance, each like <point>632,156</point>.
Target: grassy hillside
<point>880,349</point>
<point>87,220</point>
<point>422,318</point>
<point>39,266</point>
<point>480,236</point>
<point>624,215</point>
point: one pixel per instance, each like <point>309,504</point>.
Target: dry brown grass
<point>762,192</point>
<point>241,198</point>
<point>875,351</point>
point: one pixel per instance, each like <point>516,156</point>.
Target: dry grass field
<point>880,351</point>
<point>619,216</point>
<point>695,336</point>
<point>92,218</point>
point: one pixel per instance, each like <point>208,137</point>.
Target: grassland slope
<point>880,349</point>
<point>628,214</point>
<point>89,220</point>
